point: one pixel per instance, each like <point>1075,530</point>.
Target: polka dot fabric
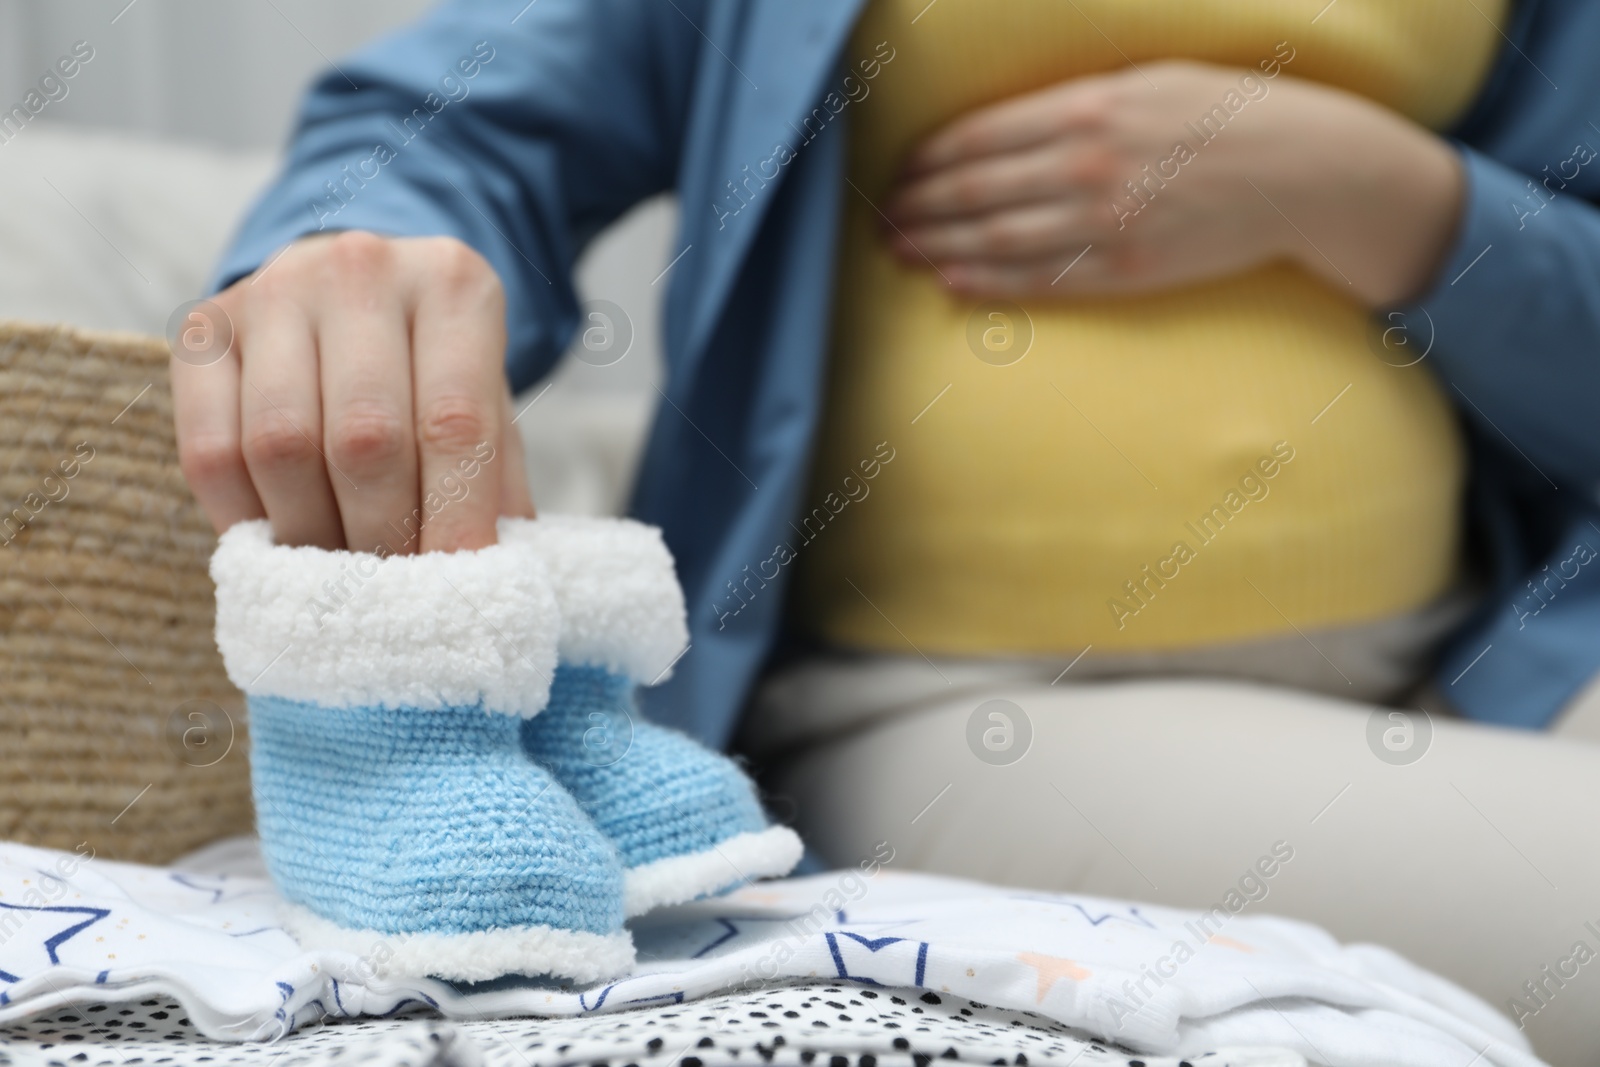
<point>206,935</point>
<point>835,1025</point>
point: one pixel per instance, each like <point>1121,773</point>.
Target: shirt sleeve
<point>1512,321</point>
<point>520,128</point>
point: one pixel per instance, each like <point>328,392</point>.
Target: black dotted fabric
<point>788,1026</point>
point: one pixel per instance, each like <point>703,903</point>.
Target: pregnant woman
<point>1110,445</point>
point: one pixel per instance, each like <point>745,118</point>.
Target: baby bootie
<point>398,813</point>
<point>685,820</point>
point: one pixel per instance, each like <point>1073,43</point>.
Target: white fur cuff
<point>621,605</point>
<point>769,853</point>
<point>470,957</point>
<point>353,629</point>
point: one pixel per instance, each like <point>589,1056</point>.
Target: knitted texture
<point>667,795</point>
<point>406,821</point>
<point>685,820</point>
<point>398,812</point>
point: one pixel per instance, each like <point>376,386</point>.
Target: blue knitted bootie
<point>398,813</point>
<point>685,819</point>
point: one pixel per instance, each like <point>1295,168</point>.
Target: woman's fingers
<point>1091,270</point>
<point>1018,208</point>
<point>1043,173</point>
<point>1022,234</point>
<point>280,404</point>
<point>205,402</point>
<point>364,404</point>
<point>368,433</point>
<point>458,381</point>
<point>1018,122</point>
<point>1036,278</point>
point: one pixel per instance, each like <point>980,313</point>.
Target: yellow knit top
<point>1221,462</point>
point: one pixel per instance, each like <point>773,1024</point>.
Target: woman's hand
<point>363,403</point>
<point>1005,199</point>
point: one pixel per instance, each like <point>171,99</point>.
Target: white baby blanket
<point>1158,980</point>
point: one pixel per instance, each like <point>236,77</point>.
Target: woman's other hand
<point>1006,199</point>
<point>363,403</point>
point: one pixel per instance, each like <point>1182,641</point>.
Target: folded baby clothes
<point>685,820</point>
<point>399,815</point>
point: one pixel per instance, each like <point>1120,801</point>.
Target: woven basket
<point>118,727</point>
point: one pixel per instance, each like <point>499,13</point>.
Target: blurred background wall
<point>227,74</point>
<point>119,196</point>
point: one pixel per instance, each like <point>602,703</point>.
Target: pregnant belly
<point>1224,462</point>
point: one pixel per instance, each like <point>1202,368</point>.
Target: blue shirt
<point>523,129</point>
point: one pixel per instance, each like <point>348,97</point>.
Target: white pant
<point>1480,860</point>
